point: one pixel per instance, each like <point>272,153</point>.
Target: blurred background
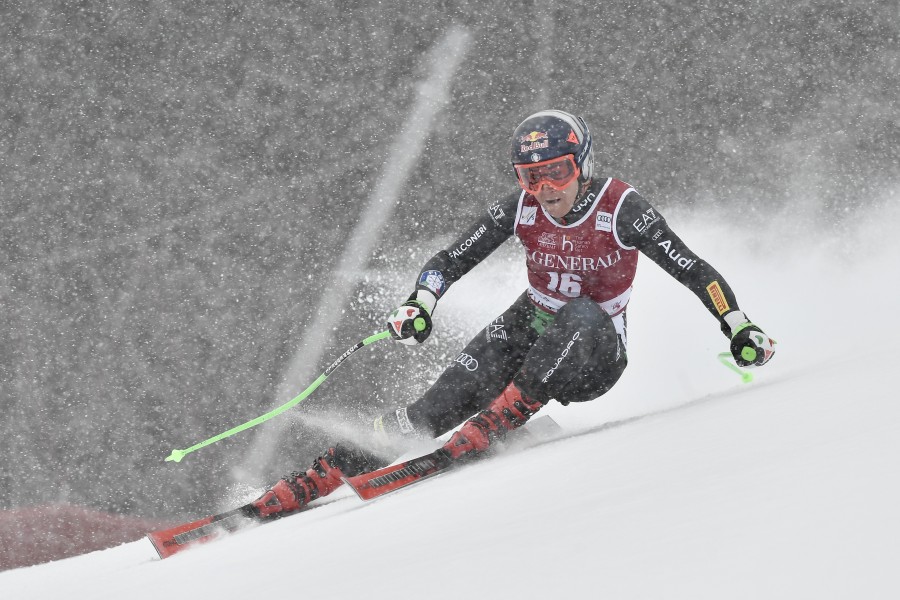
<point>179,179</point>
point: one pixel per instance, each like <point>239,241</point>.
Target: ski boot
<point>510,410</point>
<point>297,490</point>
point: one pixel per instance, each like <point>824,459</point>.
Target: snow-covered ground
<point>681,483</point>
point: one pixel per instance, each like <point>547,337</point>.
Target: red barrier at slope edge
<point>33,535</point>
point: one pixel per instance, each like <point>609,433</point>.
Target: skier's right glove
<point>411,323</point>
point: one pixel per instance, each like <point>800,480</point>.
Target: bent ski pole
<point>177,455</point>
<point>725,359</point>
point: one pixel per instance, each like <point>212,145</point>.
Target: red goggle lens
<point>556,172</point>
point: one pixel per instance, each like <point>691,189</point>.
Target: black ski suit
<point>533,347</point>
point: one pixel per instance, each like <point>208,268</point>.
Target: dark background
<point>177,179</point>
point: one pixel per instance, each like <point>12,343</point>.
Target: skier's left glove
<point>411,323</point>
<point>750,347</point>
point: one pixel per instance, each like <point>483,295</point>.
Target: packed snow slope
<point>681,483</point>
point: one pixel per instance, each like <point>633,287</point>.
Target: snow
<point>681,483</point>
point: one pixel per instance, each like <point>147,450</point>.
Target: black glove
<point>411,323</point>
<point>750,346</point>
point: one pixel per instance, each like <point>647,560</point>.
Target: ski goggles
<point>556,172</point>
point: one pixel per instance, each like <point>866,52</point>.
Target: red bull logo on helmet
<point>533,136</point>
<point>536,140</point>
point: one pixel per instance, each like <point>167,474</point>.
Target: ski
<point>175,539</point>
<point>369,486</point>
<point>381,481</point>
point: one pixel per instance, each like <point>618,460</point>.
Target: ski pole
<point>725,359</point>
<point>177,455</point>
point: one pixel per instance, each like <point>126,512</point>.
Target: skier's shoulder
<point>633,214</point>
<point>613,194</point>
<point>502,212</point>
<point>616,189</point>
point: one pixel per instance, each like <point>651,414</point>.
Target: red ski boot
<point>299,489</point>
<point>509,410</point>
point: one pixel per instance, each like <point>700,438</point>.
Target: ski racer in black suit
<point>565,337</point>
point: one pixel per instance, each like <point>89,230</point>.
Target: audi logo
<point>467,361</point>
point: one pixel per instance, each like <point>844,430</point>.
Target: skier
<point>565,337</point>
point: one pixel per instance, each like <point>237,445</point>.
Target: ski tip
<point>159,544</point>
<point>353,485</point>
<point>172,541</point>
<point>175,539</point>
